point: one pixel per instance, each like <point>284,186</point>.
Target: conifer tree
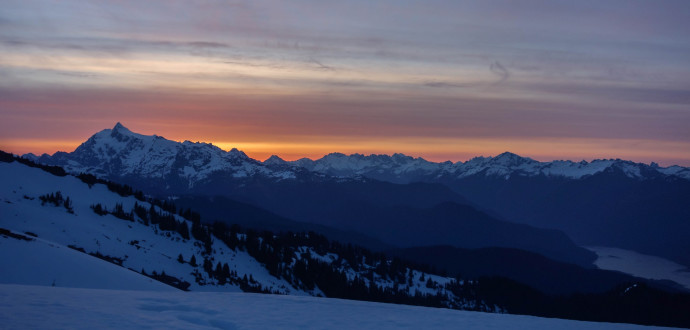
<point>183,229</point>
<point>226,270</point>
<point>68,205</point>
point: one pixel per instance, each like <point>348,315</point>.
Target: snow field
<point>139,246</point>
<point>62,308</point>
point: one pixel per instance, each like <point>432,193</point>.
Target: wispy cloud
<point>389,69</point>
<point>499,70</point>
<point>208,44</point>
<point>320,65</point>
<point>78,74</point>
<point>447,84</point>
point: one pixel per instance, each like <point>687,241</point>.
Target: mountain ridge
<point>196,161</point>
<point>401,168</point>
<point>168,169</point>
<point>69,242</point>
<point>119,150</point>
<point>59,215</point>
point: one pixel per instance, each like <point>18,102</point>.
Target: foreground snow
<point>641,265</point>
<point>35,307</point>
<point>41,262</point>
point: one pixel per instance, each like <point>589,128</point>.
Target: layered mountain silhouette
<point>407,202</point>
<point>78,231</point>
<point>403,215</point>
<point>606,202</point>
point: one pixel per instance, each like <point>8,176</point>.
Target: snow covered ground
<point>35,307</point>
<point>641,265</point>
<point>45,263</point>
<point>34,250</point>
<point>47,259</point>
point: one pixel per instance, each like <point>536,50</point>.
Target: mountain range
<point>400,215</point>
<point>437,246</point>
<point>125,153</point>
<point>600,203</point>
<point>80,231</point>
<point>53,224</point>
<point>401,168</point>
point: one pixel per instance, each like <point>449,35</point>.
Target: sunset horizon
<point>442,81</point>
<point>293,151</point>
<point>441,164</point>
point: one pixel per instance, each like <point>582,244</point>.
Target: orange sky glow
<point>448,81</point>
<point>432,149</point>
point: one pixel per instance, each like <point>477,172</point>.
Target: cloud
<point>571,74</point>
<point>14,43</point>
<point>112,47</point>
<point>440,84</point>
<point>598,93</point>
<point>320,65</point>
<point>447,84</point>
<point>208,44</point>
<point>255,65</point>
<point>495,67</point>
<point>501,71</point>
<point>78,74</point>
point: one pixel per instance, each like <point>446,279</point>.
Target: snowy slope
<point>60,266</point>
<point>52,236</point>
<point>675,170</point>
<point>137,245</point>
<point>98,309</point>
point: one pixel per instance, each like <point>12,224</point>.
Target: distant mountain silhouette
<point>404,215</point>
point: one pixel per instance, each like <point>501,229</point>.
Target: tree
<point>141,212</point>
<point>99,209</point>
<point>68,205</point>
<point>192,261</point>
<point>218,273</point>
<point>183,229</point>
<point>139,195</point>
<point>153,215</point>
<point>180,259</point>
<point>208,267</point>
<point>226,270</point>
<point>119,212</point>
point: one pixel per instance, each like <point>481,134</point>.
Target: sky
<point>443,80</point>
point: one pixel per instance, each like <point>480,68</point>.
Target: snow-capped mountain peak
<point>402,168</point>
<point>120,153</point>
<point>508,164</point>
<point>275,160</point>
<point>379,166</point>
<point>121,129</point>
<point>235,153</point>
<point>510,159</point>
